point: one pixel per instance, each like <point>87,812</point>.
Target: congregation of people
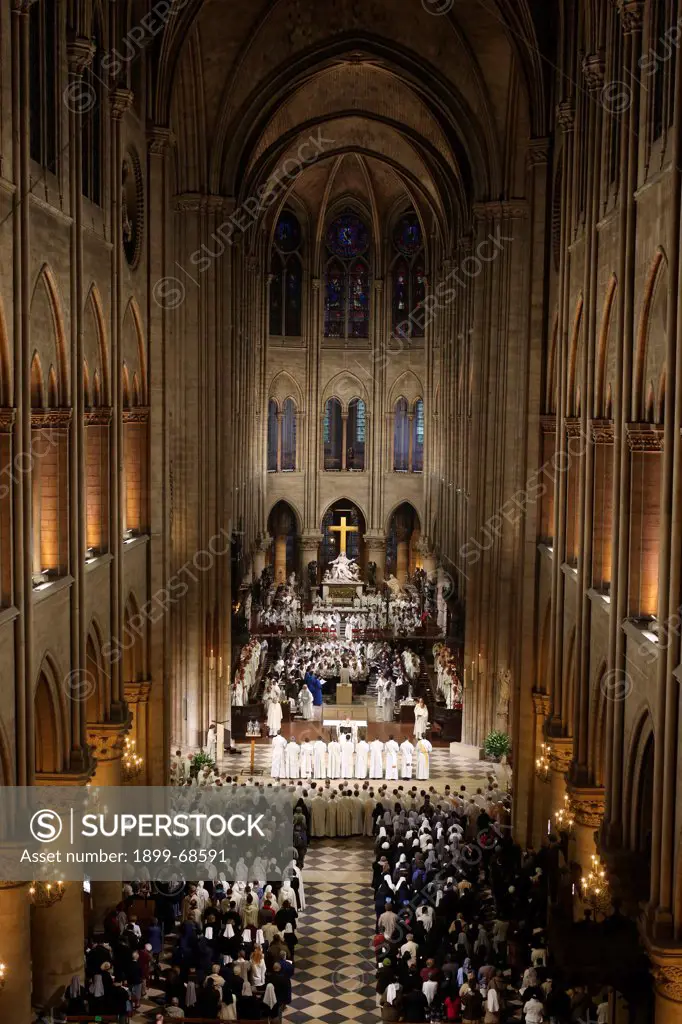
<point>461,912</point>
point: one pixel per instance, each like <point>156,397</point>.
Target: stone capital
<point>666,969</point>
<point>378,285</point>
<point>573,426</point>
<point>631,13</point>
<point>588,804</point>
<point>561,753</point>
<point>548,424</point>
<point>79,54</point>
<point>262,543</point>
<point>57,419</point>
<point>644,437</point>
<point>139,414</point>
<point>159,139</point>
<point>7,418</point>
<point>537,153</point>
<point>121,101</point>
<point>199,202</point>
<point>98,417</point>
<point>137,692</point>
<point>565,115</point>
<point>107,739</point>
<point>602,431</point>
<point>593,69</point>
<point>22,6</point>
<point>506,209</point>
<point>375,540</point>
<point>542,703</point>
<point>311,541</point>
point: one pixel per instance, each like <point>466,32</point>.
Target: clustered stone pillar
<point>280,559</point>
<point>57,944</point>
<point>107,738</point>
<point>15,951</point>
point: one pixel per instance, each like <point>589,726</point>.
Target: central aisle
<point>334,980</point>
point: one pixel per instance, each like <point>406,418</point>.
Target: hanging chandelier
<point>564,818</point>
<point>595,886</point>
<point>3,976</point>
<point>46,894</point>
<point>132,762</point>
<point>542,763</point>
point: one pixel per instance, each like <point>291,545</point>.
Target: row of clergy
<point>343,759</point>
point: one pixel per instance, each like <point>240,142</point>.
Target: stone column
<point>587,804</point>
<point>561,755</point>
<point>258,555</point>
<point>280,417</point>
<point>15,952</point>
<point>375,546</point>
<point>402,561</point>
<point>538,813</point>
<point>104,897</point>
<point>57,945</point>
<point>667,975</point>
<point>107,740</point>
<point>280,559</point>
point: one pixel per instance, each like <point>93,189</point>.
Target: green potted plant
<point>200,761</point>
<point>497,746</point>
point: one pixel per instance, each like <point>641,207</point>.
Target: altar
<point>340,593</point>
<point>347,726</point>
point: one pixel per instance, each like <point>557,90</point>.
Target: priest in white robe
<point>361,759</point>
<point>406,759</point>
<point>421,718</point>
<point>293,759</point>
<point>391,750</point>
<point>376,749</point>
<point>307,755</point>
<point>424,749</point>
<point>320,760</point>
<point>212,741</point>
<point>347,752</point>
<point>305,699</point>
<point>274,709</point>
<point>334,760</point>
<point>279,760</point>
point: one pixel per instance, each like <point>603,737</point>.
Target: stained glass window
<point>418,437</point>
<point>273,427</point>
<point>332,434</point>
<point>347,279</point>
<point>286,278</point>
<point>289,436</point>
<point>401,437</point>
<point>347,236</point>
<point>355,440</point>
<point>409,278</point>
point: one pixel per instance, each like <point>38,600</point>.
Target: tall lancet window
<point>346,303</point>
<point>409,277</point>
<point>273,436</point>
<point>286,278</point>
<point>289,436</point>
<point>332,434</point>
<point>418,437</point>
<point>91,138</point>
<point>44,92</point>
<point>401,437</point>
<point>355,446</point>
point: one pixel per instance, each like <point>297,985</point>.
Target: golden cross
<point>343,530</point>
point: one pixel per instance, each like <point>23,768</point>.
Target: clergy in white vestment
<point>318,814</point>
<point>293,759</point>
<point>376,749</point>
<point>305,699</point>
<point>421,718</point>
<point>212,741</point>
<point>334,760</point>
<point>349,630</point>
<point>346,758</point>
<point>406,759</point>
<point>279,760</point>
<point>274,709</point>
<point>391,750</point>
<point>389,702</point>
<point>320,760</point>
<point>307,754</point>
<point>424,749</point>
<point>361,759</point>
<point>382,686</point>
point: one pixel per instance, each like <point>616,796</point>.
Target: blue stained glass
<point>287,232</point>
<point>347,236</point>
<point>408,235</point>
